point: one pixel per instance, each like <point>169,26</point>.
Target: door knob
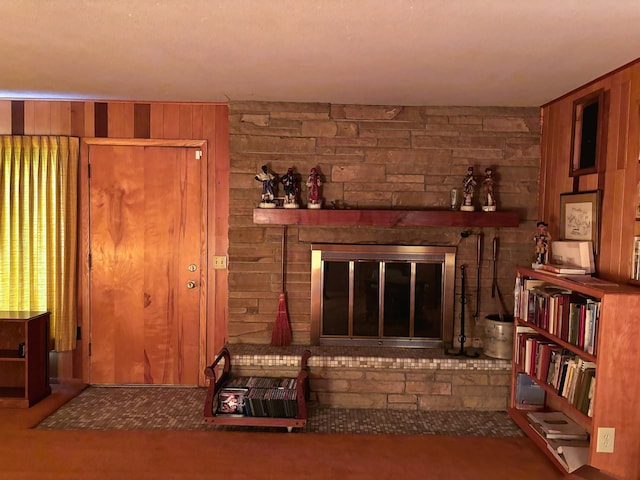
<point>191,284</point>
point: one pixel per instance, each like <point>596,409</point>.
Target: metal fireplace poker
<point>462,338</point>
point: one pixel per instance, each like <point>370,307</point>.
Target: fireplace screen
<point>382,295</point>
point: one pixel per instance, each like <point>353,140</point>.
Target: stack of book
<point>565,439</point>
<point>559,269</point>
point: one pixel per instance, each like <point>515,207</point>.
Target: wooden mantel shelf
<point>384,218</point>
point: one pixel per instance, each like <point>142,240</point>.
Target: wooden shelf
<point>384,218</point>
<point>24,380</point>
<point>584,419</point>
<point>568,346</point>
<point>520,417</point>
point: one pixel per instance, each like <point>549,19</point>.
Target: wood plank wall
<point>123,120</point>
<point>619,173</point>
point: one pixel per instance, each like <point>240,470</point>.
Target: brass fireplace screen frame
<point>383,254</point>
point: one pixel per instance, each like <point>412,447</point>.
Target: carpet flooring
<point>179,408</point>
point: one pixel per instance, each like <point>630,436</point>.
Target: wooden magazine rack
<point>218,380</point>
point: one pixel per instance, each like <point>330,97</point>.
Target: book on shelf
<point>591,281</point>
<point>578,254</point>
<point>522,297</point>
<point>556,426</point>
<point>570,457</point>
<point>543,361</point>
<point>554,366</point>
<point>560,269</point>
<point>592,388</point>
<point>571,453</point>
<point>529,395</point>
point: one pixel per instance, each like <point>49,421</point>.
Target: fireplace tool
<point>281,334</point>
<point>467,234</point>
<point>462,338</point>
<point>495,288</point>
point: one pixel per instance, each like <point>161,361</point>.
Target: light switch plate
<point>220,262</point>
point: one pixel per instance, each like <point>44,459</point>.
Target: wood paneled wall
<point>619,173</point>
<point>128,120</point>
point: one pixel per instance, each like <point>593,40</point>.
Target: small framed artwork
<point>588,134</point>
<point>579,216</point>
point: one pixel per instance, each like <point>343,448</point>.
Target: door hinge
<point>198,154</point>
<point>78,333</point>
<point>89,170</point>
<point>89,349</point>
<point>89,261</point>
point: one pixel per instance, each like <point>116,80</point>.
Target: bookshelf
<point>612,350</point>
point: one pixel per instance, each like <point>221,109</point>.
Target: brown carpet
<point>178,408</point>
<point>46,454</point>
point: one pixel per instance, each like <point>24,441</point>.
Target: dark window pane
<point>428,307</point>
<point>365,300</point>
<point>589,136</point>
<point>397,300</point>
<point>335,313</point>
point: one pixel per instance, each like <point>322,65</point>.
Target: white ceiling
<point>376,52</point>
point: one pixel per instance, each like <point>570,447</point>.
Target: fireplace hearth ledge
<point>361,358</point>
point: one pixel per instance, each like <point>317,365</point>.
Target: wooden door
<point>146,274</point>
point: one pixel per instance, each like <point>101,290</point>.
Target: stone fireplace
<point>382,295</point>
<point>373,157</point>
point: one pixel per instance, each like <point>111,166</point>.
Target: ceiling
<point>374,52</point>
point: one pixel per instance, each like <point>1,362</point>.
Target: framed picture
<point>588,134</point>
<point>579,216</point>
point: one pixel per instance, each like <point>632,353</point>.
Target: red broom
<point>281,334</point>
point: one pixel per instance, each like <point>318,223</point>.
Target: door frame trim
<point>83,241</point>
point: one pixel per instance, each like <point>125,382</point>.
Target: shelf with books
<point>582,417</point>
<point>563,314</point>
<point>560,341</point>
<point>609,347</point>
<point>550,446</point>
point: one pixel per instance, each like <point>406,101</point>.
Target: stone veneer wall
<point>373,157</point>
<point>391,383</point>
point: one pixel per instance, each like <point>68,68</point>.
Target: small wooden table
<point>24,358</point>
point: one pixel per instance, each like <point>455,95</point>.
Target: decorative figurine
<point>543,240</point>
<point>313,183</point>
<point>489,204</point>
<point>291,184</point>
<point>469,184</point>
<point>268,181</point>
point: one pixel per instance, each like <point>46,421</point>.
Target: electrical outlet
<point>220,262</point>
<point>606,440</point>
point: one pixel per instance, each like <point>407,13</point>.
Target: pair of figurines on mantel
<point>469,184</point>
<point>291,185</point>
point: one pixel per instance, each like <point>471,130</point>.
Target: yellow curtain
<point>38,230</point>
